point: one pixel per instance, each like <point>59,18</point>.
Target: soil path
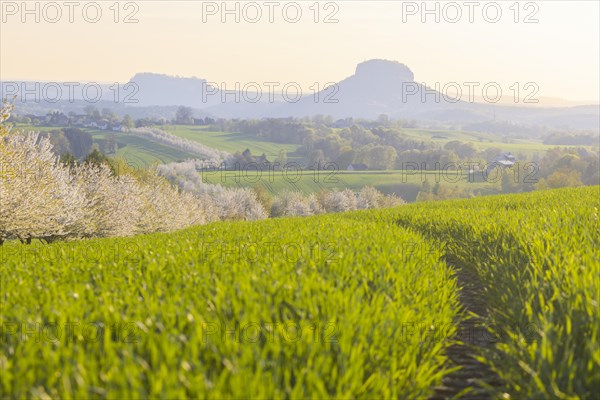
<point>473,376</point>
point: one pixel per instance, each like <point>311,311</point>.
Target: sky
<point>553,44</point>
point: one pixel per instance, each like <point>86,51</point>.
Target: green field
<point>140,153</point>
<point>143,152</point>
<point>233,142</point>
<point>311,311</point>
<point>403,183</point>
<point>137,151</point>
<point>482,141</point>
<point>358,305</point>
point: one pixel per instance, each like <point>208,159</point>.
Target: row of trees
<point>297,204</point>
<point>558,168</point>
<point>72,141</point>
<point>185,175</point>
<point>158,135</point>
<point>579,139</point>
<point>42,198</point>
<point>381,144</point>
<point>568,167</point>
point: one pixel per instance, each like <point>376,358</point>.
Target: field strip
<point>474,379</point>
<point>535,256</point>
<point>282,308</point>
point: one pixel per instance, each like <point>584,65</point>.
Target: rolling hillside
<point>243,308</point>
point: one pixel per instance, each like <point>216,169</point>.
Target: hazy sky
<point>560,52</point>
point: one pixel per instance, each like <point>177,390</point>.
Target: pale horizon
<point>560,53</point>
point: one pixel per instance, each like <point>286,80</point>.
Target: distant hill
<point>377,87</point>
<point>388,87</point>
<point>165,90</point>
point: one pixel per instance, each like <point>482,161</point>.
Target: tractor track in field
<point>474,380</point>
